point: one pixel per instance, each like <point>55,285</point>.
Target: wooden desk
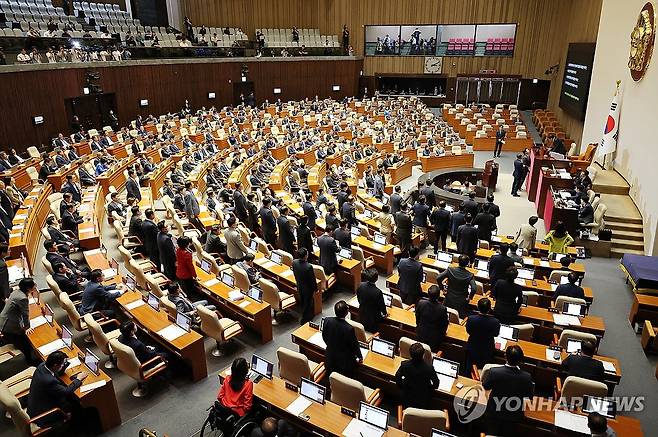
<point>114,175</point>
<point>430,163</point>
<point>539,246</point>
<point>381,253</point>
<point>536,163</point>
<point>308,156</point>
<point>554,214</point>
<point>241,172</point>
<point>362,164</point>
<point>25,235</point>
<point>159,175</point>
<point>19,173</point>
<point>645,307</point>
<point>188,346</point>
<point>102,399</point>
<point>400,172</point>
<point>546,182</point>
<point>511,144</point>
<point>280,152</point>
<point>89,232</point>
<point>278,176</point>
<point>256,315</point>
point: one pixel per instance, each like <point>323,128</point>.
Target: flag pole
<point>608,162</point>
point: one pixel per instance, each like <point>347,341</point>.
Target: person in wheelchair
<point>236,393</point>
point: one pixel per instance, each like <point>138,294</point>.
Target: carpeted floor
<point>178,407</point>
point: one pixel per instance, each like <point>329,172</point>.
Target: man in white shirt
<point>23,57</point>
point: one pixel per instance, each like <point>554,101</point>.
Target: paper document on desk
<point>109,273</point>
<point>500,343</point>
<point>244,304</point>
<point>171,332</point>
<point>357,428</point>
<point>446,382</point>
<point>37,321</point>
<point>544,264</point>
<point>298,405</point>
<point>520,281</point>
<point>317,340</point>
<point>15,273</point>
<point>550,355</point>
<point>211,282</point>
<point>364,352</point>
<point>235,295</point>
<point>287,273</point>
<point>73,363</point>
<point>89,387</point>
<point>134,304</point>
<point>609,367</point>
<point>51,347</point>
<point>482,274</point>
<point>553,287</point>
<point>565,320</point>
<point>268,265</point>
<point>565,176</point>
<point>570,421</point>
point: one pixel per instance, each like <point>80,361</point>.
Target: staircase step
<point>618,253</point>
<point>613,218</point>
<point>623,226</point>
<point>627,235</point>
<point>620,243</point>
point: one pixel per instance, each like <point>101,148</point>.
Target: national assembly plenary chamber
<point>328,218</point>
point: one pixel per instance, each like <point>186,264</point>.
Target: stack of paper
<point>317,340</point>
<point>570,421</point>
<point>520,281</point>
<point>446,382</point>
<point>73,363</point>
<point>37,321</point>
<point>211,282</point>
<point>235,295</point>
<point>609,367</point>
<point>171,332</point>
<point>287,273</point>
<point>109,273</point>
<point>51,347</point>
<point>89,387</point>
<point>134,304</point>
<point>357,428</point>
<point>543,263</point>
<point>299,405</point>
<point>15,273</point>
<point>565,320</point>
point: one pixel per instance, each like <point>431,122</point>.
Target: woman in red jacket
<point>185,271</point>
<point>237,391</point>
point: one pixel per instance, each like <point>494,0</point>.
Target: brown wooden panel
<point>166,86</point>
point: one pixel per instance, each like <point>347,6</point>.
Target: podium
<point>537,161</point>
<point>490,175</point>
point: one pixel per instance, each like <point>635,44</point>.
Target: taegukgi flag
<point>611,130</point>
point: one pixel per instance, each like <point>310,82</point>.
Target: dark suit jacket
<point>135,228</point>
<point>5,289</point>
<point>509,297</point>
<point>68,284</point>
<point>507,382</point>
<point>411,276</point>
<point>142,353</point>
<point>132,188</point>
<point>70,223</point>
<point>431,323</point>
<point>328,251</point>
<point>583,366</point>
<point>74,189</point>
<point>570,290</point>
<point>403,225</point>
<point>54,258</point>
<point>304,238</point>
<point>497,266</point>
<point>440,219</point>
<point>467,239</point>
<point>48,392</point>
<point>240,205</point>
<point>372,308</point>
<point>486,223</point>
<point>309,211</point>
<point>471,207</point>
<point>344,237</point>
<point>395,202</point>
<point>519,169</point>
<point>342,346</point>
<point>417,381</point>
<point>481,331</point>
<point>286,236</point>
<point>456,220</point>
<point>305,279</point>
<point>150,234</point>
<point>268,222</point>
<point>167,254</point>
<point>96,297</point>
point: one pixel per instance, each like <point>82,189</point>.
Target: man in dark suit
<point>98,297</point>
<point>66,279</point>
<point>431,319</point>
<point>166,251</point>
<point>372,309</point>
<point>47,391</point>
<point>306,284</point>
<point>558,145</point>
<point>586,212</point>
<point>348,211</point>
<point>343,235</point>
<point>59,237</point>
<point>583,364</point>
<point>518,174</point>
<point>506,382</point>
<point>286,235</point>
<point>342,352</point>
<point>396,199</point>
<point>440,221</point>
<point>240,204</point>
<point>132,186</point>
<point>485,222</point>
<point>570,289</point>
<point>328,250</point>
<point>403,227</point>
<point>500,140</point>
<point>214,242</point>
<point>309,211</point>
<point>493,208</point>
<point>54,257</point>
<point>150,235</point>
<point>128,337</point>
<point>416,379</point>
<point>268,222</point>
<point>470,205</point>
<point>69,221</point>
<point>457,218</point>
<point>428,192</point>
<point>411,276</point>
<point>5,289</point>
<point>499,263</point>
<point>467,238</point>
<point>70,186</point>
<point>481,328</point>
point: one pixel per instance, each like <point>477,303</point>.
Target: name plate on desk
<point>291,386</point>
<point>347,412</point>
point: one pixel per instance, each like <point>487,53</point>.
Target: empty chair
<point>222,330</point>
<point>326,282</point>
<point>526,331</point>
<point>532,297</point>
<point>561,300</point>
<point>241,278</point>
<point>102,338</point>
<point>420,422</point>
<point>128,363</point>
<point>575,388</point>
<point>348,392</point>
<point>294,366</point>
<point>278,300</point>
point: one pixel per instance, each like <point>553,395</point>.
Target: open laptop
<point>312,391</point>
<point>253,245</point>
<point>205,265</point>
<point>388,299</point>
<point>367,213</point>
<point>67,337</point>
<point>276,258</point>
<point>48,314</point>
<point>574,309</point>
<point>92,361</point>
<point>509,332</point>
<point>439,433</point>
<point>130,282</point>
<point>380,238</point>
<point>447,372</point>
<point>382,347</point>
<point>444,256</point>
<point>345,253</point>
<point>526,274</point>
<point>604,406</point>
<point>355,231</point>
<point>184,321</point>
<point>260,368</point>
<point>256,294</point>
<point>153,301</point>
<point>374,418</point>
<point>227,279</point>
<point>482,265</point>
<point>574,346</point>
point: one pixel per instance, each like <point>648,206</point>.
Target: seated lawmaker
<point>583,364</point>
<point>67,281</point>
<point>59,237</point>
<point>99,297</point>
<point>570,289</point>
<point>416,379</point>
<point>70,220</point>
<point>237,390</point>
<point>143,352</point>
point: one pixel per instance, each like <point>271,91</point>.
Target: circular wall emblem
<point>643,37</point>
<point>470,403</point>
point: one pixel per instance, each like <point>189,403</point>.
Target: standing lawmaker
<point>306,284</point>
<point>431,319</point>
<point>410,271</point>
<point>342,352</point>
<point>372,309</point>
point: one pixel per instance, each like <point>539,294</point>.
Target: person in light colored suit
<point>192,209</point>
<point>527,234</point>
<point>235,248</point>
<point>15,316</point>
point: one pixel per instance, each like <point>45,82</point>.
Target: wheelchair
<point>223,422</point>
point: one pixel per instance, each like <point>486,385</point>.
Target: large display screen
<point>441,40</point>
<point>576,80</point>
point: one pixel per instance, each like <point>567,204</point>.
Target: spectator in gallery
<point>295,34</point>
<point>303,51</point>
<point>35,56</point>
<point>23,57</point>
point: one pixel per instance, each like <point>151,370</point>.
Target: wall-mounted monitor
<point>495,39</point>
<point>277,91</point>
<point>382,40</point>
<point>143,102</point>
<point>455,40</point>
<point>211,95</point>
<point>576,80</point>
<point>335,88</point>
<point>417,40</point>
<point>37,120</point>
